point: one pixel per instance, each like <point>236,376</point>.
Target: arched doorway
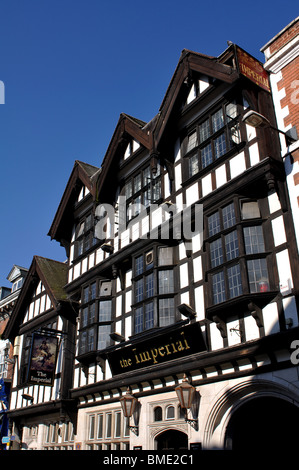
<point>264,422</point>
<point>172,439</point>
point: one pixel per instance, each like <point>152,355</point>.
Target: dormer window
<point>212,138</point>
<point>143,189</point>
<point>154,289</point>
<point>85,235</point>
<point>96,316</point>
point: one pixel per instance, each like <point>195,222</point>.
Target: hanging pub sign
<point>175,344</point>
<point>253,69</point>
<point>42,360</point>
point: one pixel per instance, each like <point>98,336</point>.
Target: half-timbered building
<point>181,272</point>
<point>42,327</point>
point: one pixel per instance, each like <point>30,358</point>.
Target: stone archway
<point>263,423</point>
<point>218,428</point>
<point>172,439</point>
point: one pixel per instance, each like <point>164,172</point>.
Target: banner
<point>43,358</point>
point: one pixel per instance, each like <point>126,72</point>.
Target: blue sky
<point>70,67</point>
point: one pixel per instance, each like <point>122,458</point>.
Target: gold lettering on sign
<point>153,355</point>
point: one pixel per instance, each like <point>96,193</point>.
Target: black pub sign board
<point>158,349</point>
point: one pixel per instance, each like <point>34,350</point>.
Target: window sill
<point>243,303</point>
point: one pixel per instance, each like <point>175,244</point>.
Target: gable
<point>42,291</point>
<point>82,182</point>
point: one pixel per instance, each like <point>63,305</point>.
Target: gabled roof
<point>53,275</point>
<point>189,63</point>
<point>16,272</point>
<point>149,134</point>
<point>82,174</point>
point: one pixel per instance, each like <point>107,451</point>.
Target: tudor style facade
<point>42,328</point>
<point>182,261</point>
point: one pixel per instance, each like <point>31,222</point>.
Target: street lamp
<point>129,405</point>
<point>186,395</point>
<point>254,119</point>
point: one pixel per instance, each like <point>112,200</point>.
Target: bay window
<point>154,289</point>
<point>143,189</point>
<point>84,235</point>
<point>96,317</point>
<point>237,256</point>
<point>212,138</point>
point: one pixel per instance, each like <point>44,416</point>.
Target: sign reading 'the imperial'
<point>253,69</point>
<point>158,349</point>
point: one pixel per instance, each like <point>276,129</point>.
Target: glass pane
<point>165,256</point>
<point>158,413</point>
<point>108,424</point>
<point>192,141</point>
<point>146,175</point>
<point>206,155</point>
<point>88,223</point>
<point>84,317</point>
<point>85,294</point>
<point>166,312</point>
<point>90,339</point>
<point>218,288</point>
<point>137,183</point>
<point>93,290</point>
<point>92,310</point>
<point>139,290</point>
<point>250,210</point>
<point>91,427</point>
<point>258,275</point>
<point>103,336</point>
<point>193,165</point>
<point>231,245</point>
<point>228,214</point>
<point>100,427</point>
<point>216,253</point>
<point>149,315</point>
<point>83,338</point>
<point>166,285</point>
<point>234,281</point>
<point>128,189</point>
<point>105,310</point>
<point>149,285</point>
<point>139,320</point>
<point>204,130</point>
<point>156,191</point>
<point>217,120</point>
<point>137,205</point>
<point>117,424</point>
<point>220,146</point>
<point>170,413</point>
<point>139,265</point>
<point>214,224</point>
<point>254,240</point>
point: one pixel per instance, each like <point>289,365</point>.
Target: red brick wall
<point>290,82</point>
<point>285,37</point>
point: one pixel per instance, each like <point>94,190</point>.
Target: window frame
<point>92,295</point>
<point>142,194</point>
<point>193,155</point>
<point>139,278</point>
<point>241,259</point>
<point>84,235</point>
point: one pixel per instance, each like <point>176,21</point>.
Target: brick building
<point>282,62</point>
